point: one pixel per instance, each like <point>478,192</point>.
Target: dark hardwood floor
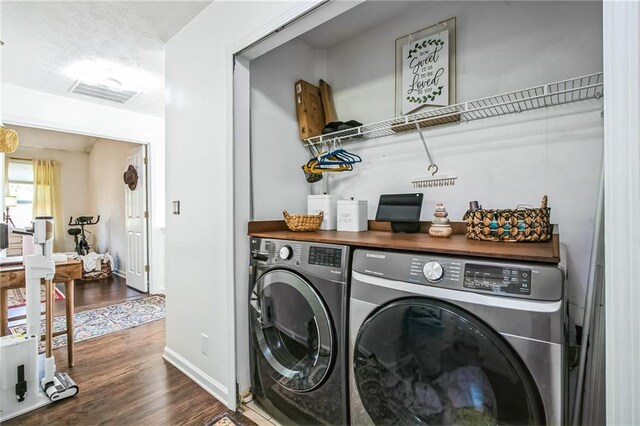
<point>88,295</point>
<point>94,294</point>
<point>122,377</point>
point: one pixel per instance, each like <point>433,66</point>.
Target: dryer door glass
<point>292,329</point>
<point>422,361</point>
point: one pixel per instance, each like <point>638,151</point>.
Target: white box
<point>325,204</point>
<point>59,257</point>
<point>352,215</point>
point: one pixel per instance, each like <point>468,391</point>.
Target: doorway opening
<point>98,195</point>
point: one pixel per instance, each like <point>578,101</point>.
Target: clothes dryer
<point>298,310</point>
<point>456,340</point>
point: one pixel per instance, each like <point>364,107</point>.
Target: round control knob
<point>433,271</point>
<point>285,253</point>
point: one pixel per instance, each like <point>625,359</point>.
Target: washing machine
<point>298,312</point>
<point>456,340</point>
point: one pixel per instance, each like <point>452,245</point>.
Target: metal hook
<point>433,166</point>
<point>426,148</point>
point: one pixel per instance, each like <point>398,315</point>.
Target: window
<point>20,178</point>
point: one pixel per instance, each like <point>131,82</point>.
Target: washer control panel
<point>433,271</point>
<point>442,271</point>
<point>285,252</point>
<point>325,256</point>
<point>497,279</point>
<point>326,261</point>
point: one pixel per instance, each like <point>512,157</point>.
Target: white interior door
<point>136,222</point>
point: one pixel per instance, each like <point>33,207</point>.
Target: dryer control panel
<point>497,279</point>
<point>444,271</point>
<point>502,278</point>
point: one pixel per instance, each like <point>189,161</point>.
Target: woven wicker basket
<point>303,222</point>
<point>519,225</point>
<point>102,274</point>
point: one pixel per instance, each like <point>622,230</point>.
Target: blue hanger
<point>339,156</point>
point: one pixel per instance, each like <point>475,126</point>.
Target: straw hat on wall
<point>8,140</point>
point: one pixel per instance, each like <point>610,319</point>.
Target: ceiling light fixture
<point>115,76</point>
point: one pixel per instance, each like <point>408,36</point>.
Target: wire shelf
<point>547,95</point>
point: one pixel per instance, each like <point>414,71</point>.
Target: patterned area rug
<point>229,419</point>
<point>105,320</point>
<point>17,297</point>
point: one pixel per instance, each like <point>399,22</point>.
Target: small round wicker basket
<point>303,222</point>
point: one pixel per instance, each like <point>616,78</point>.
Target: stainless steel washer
<point>456,340</point>
<point>298,307</point>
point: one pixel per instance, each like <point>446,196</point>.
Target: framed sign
<point>426,68</point>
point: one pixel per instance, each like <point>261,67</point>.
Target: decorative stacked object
<point>440,224</point>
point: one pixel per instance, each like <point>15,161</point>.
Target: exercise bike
<point>79,238</point>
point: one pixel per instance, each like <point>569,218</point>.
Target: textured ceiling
<point>43,37</point>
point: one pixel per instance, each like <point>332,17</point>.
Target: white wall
<point>501,46</point>
<point>106,166</point>
<point>74,181</point>
<point>276,150</point>
<point>622,210</point>
<point>87,118</point>
<point>200,247</point>
<point>503,162</point>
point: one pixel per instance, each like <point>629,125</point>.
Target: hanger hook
<point>433,166</point>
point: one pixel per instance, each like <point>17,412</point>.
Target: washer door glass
<point>422,361</point>
<point>292,329</point>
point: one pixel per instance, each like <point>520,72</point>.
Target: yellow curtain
<point>46,197</point>
<point>6,174</point>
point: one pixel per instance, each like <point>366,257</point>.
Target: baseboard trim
<point>205,381</point>
<point>120,273</point>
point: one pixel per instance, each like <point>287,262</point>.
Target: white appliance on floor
<point>456,340</point>
<point>28,381</point>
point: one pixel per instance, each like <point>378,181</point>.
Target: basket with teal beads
<point>523,224</point>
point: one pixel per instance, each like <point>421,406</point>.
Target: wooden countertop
<point>379,237</point>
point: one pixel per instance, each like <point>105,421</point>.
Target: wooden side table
<point>13,276</point>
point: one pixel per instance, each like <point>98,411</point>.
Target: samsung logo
<point>376,255</point>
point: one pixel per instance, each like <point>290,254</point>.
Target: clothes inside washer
<point>426,374</point>
<point>470,395</point>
